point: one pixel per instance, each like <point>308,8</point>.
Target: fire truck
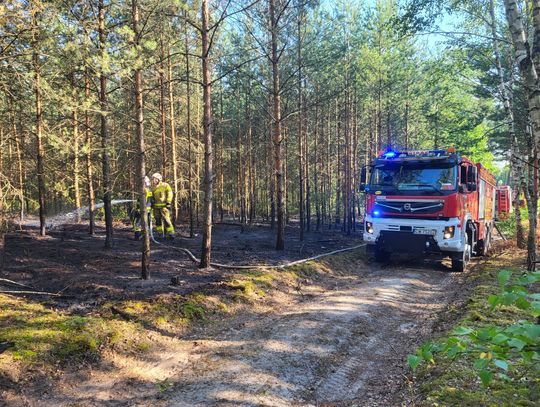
<point>434,202</point>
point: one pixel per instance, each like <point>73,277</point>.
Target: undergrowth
<point>451,379</point>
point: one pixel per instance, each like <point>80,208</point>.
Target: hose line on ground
<point>247,267</point>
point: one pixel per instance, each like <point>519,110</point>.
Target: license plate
<point>425,231</point>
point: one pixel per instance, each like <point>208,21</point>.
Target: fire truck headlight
<point>369,227</point>
<point>449,232</point>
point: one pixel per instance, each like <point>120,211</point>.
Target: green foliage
<point>43,335</point>
<point>498,350</point>
<point>508,226</point>
<point>192,310</point>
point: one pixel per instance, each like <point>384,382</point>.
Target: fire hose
<point>247,267</point>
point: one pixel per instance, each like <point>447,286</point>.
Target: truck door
<point>481,199</point>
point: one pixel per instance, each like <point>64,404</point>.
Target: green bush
<point>497,349</point>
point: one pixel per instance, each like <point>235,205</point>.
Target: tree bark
<point>75,125</point>
<point>18,141</point>
<point>527,62</point>
<point>190,143</point>
<point>103,102</point>
<point>89,170</point>
<point>172,120</point>
<point>162,107</point>
<point>40,170</point>
<point>300,132</point>
<point>506,98</point>
<point>139,120</point>
<point>208,125</point>
<point>277,139</point>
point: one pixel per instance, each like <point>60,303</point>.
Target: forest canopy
<point>351,78</point>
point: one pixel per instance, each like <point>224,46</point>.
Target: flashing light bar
<point>390,154</point>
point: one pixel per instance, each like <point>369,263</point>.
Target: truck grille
<point>409,207</point>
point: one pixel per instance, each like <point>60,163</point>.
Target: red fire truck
<point>428,202</point>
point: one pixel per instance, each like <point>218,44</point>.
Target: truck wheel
<point>484,244</point>
<point>461,259</point>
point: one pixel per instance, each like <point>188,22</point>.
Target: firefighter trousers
<point>136,222</point>
<point>162,216</point>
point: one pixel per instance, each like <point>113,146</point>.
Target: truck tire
<point>484,244</point>
<point>461,259</point>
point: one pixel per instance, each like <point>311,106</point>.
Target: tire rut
<point>335,346</point>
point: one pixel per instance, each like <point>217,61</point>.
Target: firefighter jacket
<point>162,195</point>
<point>149,200</point>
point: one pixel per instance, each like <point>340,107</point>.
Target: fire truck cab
<point>434,202</point>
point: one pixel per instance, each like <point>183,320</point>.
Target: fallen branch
<point>32,293</point>
<point>500,233</point>
<point>5,280</point>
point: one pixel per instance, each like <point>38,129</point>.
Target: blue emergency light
<point>416,154</point>
<point>389,154</point>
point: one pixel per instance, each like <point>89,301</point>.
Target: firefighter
<point>162,195</point>
<point>136,213</point>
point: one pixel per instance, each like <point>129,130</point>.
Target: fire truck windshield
<point>414,179</point>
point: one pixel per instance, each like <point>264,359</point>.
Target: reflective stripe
<point>163,193</point>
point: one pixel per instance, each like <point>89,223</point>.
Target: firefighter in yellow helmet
<point>162,195</point>
<point>136,212</point>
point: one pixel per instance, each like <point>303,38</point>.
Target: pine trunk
<point>277,139</point>
<point>40,170</point>
<point>172,121</point>
<point>89,172</point>
<point>103,102</point>
<point>75,125</point>
<point>139,120</point>
<point>207,123</point>
<point>190,143</point>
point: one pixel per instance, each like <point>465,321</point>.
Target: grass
<point>452,382</point>
<point>252,284</point>
<point>50,338</point>
<point>164,311</point>
<point>43,335</point>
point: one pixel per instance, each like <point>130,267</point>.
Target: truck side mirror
<point>363,179</point>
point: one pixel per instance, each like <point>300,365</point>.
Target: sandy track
<point>338,347</point>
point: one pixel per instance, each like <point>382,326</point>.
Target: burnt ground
<point>340,339</point>
<point>70,261</point>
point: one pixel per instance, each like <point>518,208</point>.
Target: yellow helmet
<point>157,176</point>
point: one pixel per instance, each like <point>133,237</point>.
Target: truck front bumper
<point>409,235</point>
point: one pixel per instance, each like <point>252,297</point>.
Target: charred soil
<point>331,332</point>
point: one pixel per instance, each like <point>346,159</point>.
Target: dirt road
<point>341,345</point>
<point>339,341</point>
